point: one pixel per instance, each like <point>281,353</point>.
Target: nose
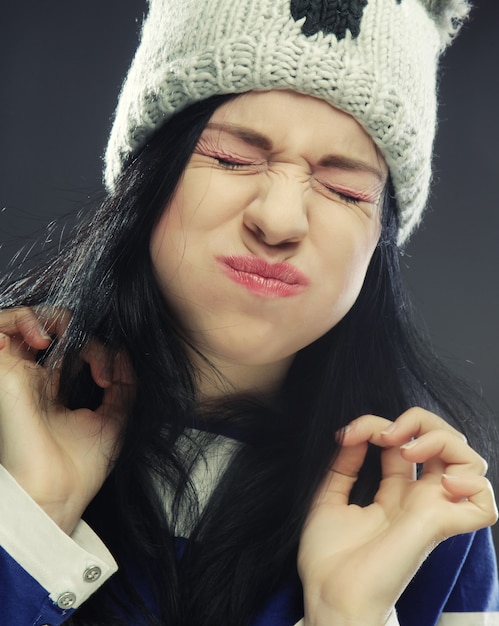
<point>278,215</point>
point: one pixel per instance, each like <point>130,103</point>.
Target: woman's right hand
<point>59,456</point>
<point>355,562</point>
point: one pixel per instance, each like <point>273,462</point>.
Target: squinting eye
<point>229,164</point>
<point>345,197</point>
<point>233,163</point>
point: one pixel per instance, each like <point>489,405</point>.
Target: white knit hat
<point>373,59</point>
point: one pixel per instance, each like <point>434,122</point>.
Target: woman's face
<point>266,242</point>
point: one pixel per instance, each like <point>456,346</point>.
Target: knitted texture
<point>374,59</point>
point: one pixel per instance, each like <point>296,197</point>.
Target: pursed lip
<point>262,277</point>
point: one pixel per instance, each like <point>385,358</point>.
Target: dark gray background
<point>62,64</point>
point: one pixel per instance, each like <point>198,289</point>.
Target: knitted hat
<point>373,59</point>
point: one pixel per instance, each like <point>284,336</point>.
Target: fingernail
<point>410,444</point>
<point>105,376</point>
<point>43,332</point>
<point>344,430</point>
<point>389,429</point>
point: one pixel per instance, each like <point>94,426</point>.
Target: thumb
<point>342,475</point>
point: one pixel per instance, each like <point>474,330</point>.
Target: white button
<point>91,574</point>
<point>66,600</point>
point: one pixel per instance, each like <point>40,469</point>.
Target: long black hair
<point>244,544</point>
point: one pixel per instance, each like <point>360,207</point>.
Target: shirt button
<point>66,600</point>
<point>91,574</point>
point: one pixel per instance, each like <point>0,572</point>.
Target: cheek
<point>344,272</point>
<point>346,238</point>
<point>205,200</point>
<point>169,251</point>
<point>166,244</point>
<point>169,238</point>
<point>360,260</point>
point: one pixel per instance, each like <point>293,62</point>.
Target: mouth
<point>275,280</point>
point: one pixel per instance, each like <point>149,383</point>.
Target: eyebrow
<point>348,164</point>
<point>258,140</point>
<point>246,134</point>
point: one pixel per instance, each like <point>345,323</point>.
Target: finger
<point>363,429</point>
<point>414,423</point>
<point>441,451</point>
<point>113,412</point>
<point>22,321</point>
<point>368,428</point>
<point>54,319</point>
<point>116,403</point>
<point>393,463</point>
<point>100,361</point>
<point>123,369</point>
<point>342,475</point>
<point>474,501</point>
<point>19,382</point>
<point>108,367</point>
<point>387,434</point>
<point>9,359</point>
<point>119,395</point>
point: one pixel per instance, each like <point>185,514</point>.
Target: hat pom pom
<point>449,16</point>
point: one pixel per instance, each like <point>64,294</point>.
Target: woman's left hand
<point>354,561</point>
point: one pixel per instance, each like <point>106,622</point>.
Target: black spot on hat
<point>329,16</point>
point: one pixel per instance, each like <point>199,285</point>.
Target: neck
<point>216,378</point>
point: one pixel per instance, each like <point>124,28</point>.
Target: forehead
<point>296,122</point>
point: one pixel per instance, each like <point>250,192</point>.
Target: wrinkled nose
<point>278,214</point>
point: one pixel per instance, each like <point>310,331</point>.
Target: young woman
<point>219,373</point>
